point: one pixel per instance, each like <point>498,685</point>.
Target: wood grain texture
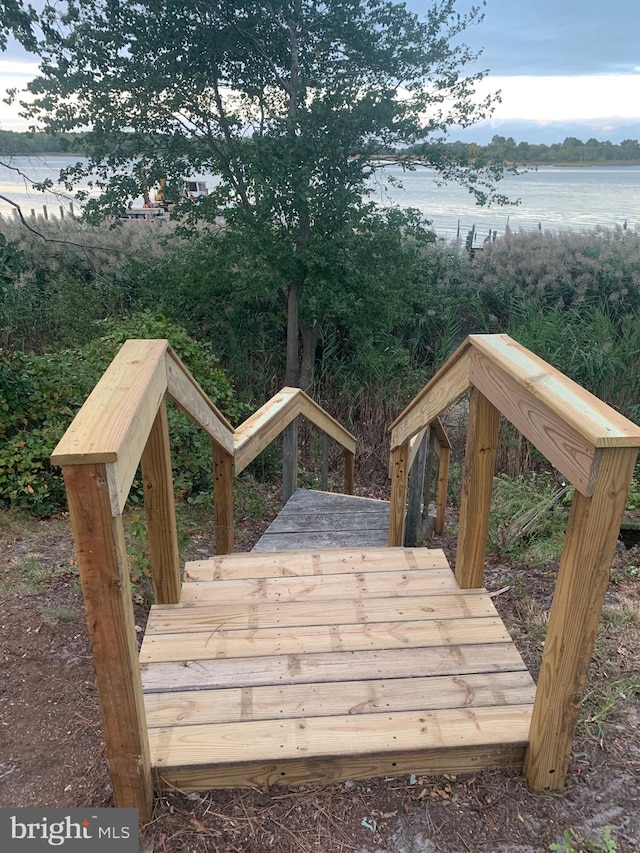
<point>399,470</point>
<point>376,696</point>
<point>178,618</point>
<point>477,483</point>
<point>317,668</point>
<point>223,498</point>
<point>448,384</point>
<point>325,587</point>
<point>594,420</point>
<point>264,425</point>
<point>186,392</point>
<point>115,421</point>
<point>590,543</point>
<point>217,644</point>
<point>310,562</point>
<point>442,489</point>
<point>564,446</point>
<point>319,520</point>
<point>162,533</point>
<point>350,735</point>
<point>327,770</point>
<point>104,574</point>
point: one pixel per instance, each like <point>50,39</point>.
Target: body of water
<point>551,198</point>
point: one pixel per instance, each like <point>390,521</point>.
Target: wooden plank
<point>321,521</point>
<point>442,490</point>
<point>320,587</point>
<point>104,574</point>
<point>223,498</point>
<point>289,460</point>
<point>477,484</point>
<point>349,471</point>
<point>590,542</point>
<point>178,618</point>
<point>320,540</point>
<point>265,425</point>
<point>313,500</point>
<point>591,418</point>
<point>415,488</point>
<point>186,392</point>
<point>399,483</point>
<point>115,421</point>
<point>330,666</point>
<point>351,734</point>
<point>549,431</point>
<point>300,563</point>
<point>448,384</point>
<point>324,421</point>
<point>217,644</point>
<point>301,771</point>
<point>160,511</point>
<point>186,708</point>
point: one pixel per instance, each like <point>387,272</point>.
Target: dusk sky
<point>565,68</point>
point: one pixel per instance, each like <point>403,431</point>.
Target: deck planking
<point>327,663</point>
<point>313,519</point>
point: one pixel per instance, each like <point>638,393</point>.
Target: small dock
<point>327,662</point>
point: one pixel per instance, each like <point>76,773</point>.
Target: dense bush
<point>40,394</point>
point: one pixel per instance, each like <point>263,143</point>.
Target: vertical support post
<point>589,547</point>
<point>45,212</point>
<point>428,480</point>
<point>349,471</point>
<point>102,560</point>
<point>475,503</point>
<point>161,511</point>
<point>61,212</point>
<point>289,460</point>
<point>399,479</point>
<point>415,489</point>
<point>443,482</point>
<point>324,475</point>
<point>223,498</point>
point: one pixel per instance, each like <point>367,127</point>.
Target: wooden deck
<point>300,665</point>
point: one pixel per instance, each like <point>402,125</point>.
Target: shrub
<point>40,394</point>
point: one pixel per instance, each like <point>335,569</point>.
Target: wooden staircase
<point>340,658</point>
<point>294,666</point>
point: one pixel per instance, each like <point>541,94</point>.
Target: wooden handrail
<point>272,419</point>
<point>594,447</point>
<point>123,424</point>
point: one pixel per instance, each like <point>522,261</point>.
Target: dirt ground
<point>51,749</point>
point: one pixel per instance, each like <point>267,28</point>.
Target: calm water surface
<point>551,198</point>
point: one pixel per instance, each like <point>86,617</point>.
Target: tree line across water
<point>572,151</point>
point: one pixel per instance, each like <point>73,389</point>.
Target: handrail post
<point>161,511</point>
<point>104,574</point>
<point>589,547</point>
<point>324,470</point>
<point>443,483</point>
<point>475,502</point>
<point>223,498</point>
<point>349,471</point>
<point>415,490</point>
<point>289,460</point>
<point>399,479</point>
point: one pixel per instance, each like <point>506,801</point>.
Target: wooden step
<point>324,665</point>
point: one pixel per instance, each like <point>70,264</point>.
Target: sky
<point>564,68</point>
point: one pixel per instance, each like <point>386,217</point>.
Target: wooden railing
<point>430,442</point>
<point>123,424</point>
<point>594,447</point>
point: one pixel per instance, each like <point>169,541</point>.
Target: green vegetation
<point>575,842</point>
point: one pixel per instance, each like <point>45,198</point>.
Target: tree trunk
<point>310,334</point>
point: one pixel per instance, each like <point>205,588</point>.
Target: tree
<point>289,103</point>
